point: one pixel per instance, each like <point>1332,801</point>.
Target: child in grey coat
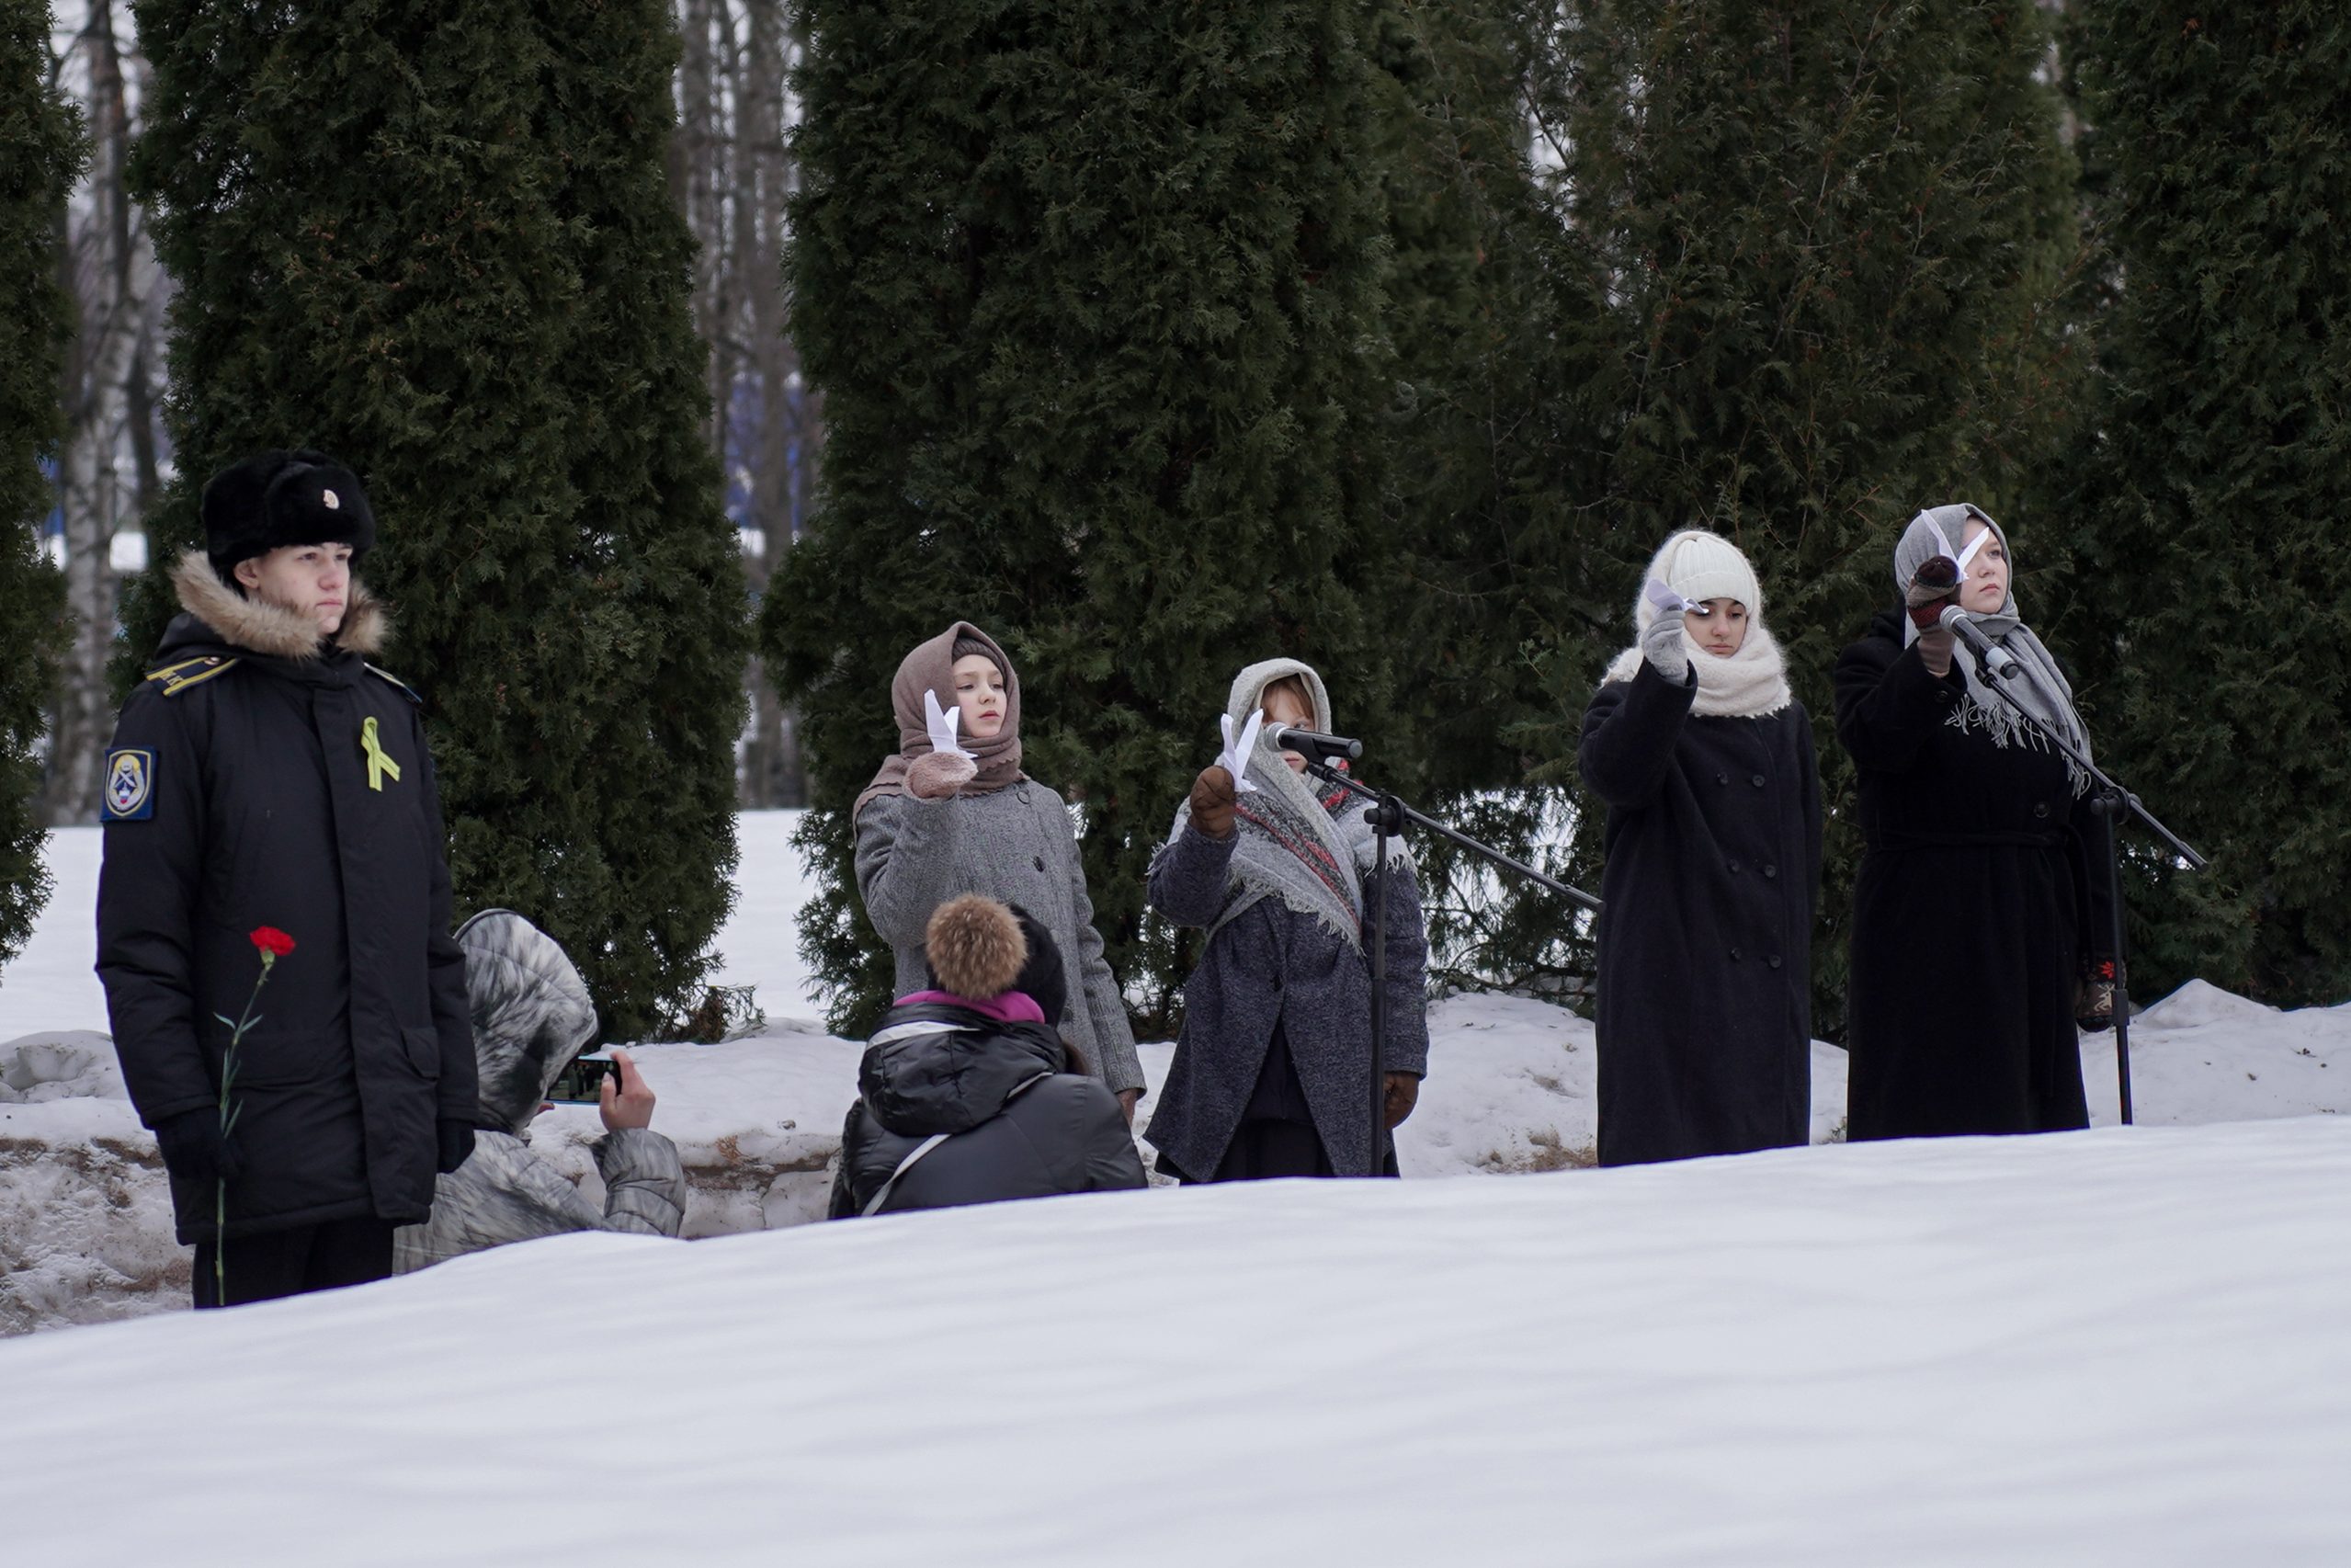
<point>951,812</point>
<point>1272,1069</point>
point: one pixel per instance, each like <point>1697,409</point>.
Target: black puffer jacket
<point>1019,1125</point>
<point>244,770</point>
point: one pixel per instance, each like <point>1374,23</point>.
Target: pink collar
<point>1012,1007</point>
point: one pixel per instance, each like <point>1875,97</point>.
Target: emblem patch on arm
<point>130,785</point>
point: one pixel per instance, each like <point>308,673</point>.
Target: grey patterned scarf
<point>1307,851</point>
<point>2041,689</point>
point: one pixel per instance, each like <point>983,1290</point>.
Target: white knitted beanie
<point>1700,566</point>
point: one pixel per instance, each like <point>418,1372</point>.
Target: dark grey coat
<point>1273,965</point>
<point>1713,873</point>
<point>1017,1126</point>
<point>1015,845</point>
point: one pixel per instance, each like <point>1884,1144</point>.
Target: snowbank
<point>2100,1348</point>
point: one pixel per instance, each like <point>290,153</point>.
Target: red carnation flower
<point>273,941</point>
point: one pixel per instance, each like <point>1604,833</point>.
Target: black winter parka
<point>251,804</point>
<point>1713,845</point>
<point>934,1068</point>
<point>1974,903</point>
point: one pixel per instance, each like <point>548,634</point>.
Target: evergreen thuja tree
<point>2214,581</point>
<point>1091,291</point>
<point>1836,234</point>
<point>40,154</point>
<point>1503,371</point>
<point>436,243</point>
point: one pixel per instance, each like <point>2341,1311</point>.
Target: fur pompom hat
<point>276,498</point>
<point>980,948</point>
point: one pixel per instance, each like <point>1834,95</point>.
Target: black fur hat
<point>277,498</point>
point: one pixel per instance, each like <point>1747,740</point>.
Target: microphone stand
<point>1388,813</point>
<point>2111,801</point>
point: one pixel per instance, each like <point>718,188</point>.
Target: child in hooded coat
<point>968,1094</point>
<point>1713,840</point>
<point>936,823</point>
<point>1271,1071</point>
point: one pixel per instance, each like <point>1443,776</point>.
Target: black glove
<point>193,1150</point>
<point>456,1145</point>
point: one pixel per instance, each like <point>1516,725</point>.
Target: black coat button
<point>1771,871</point>
<point>1734,955</point>
<point>1732,866</point>
<point>1773,960</point>
<point>1757,781</point>
<point>2040,808</point>
<point>1722,779</point>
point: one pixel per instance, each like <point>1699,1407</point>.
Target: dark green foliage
<point>437,242</point>
<point>1505,369</point>
<point>40,151</point>
<point>1091,290</point>
<point>1834,235</point>
<point>2213,487</point>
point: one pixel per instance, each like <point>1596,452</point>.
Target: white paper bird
<point>1235,758</point>
<point>1671,603</point>
<point>942,724</point>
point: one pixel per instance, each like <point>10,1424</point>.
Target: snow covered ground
<point>86,1225</point>
<point>2105,1347</point>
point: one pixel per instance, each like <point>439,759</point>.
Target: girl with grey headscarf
<point>1980,914</point>
<point>1272,1068</point>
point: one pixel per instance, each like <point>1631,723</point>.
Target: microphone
<point>1313,744</point>
<point>1995,658</point>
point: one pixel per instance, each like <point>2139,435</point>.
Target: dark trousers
<point>290,1263</point>
<point>1277,1136</point>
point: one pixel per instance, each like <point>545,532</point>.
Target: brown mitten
<point>937,775</point>
<point>1213,799</point>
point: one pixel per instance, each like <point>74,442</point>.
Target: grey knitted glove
<point>1667,653</point>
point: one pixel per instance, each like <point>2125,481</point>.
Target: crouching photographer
<point>532,1019</point>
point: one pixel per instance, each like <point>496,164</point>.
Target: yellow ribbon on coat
<point>378,762</point>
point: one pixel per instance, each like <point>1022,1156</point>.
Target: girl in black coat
<point>1706,762</point>
<point>968,1092</point>
<point>1975,907</point>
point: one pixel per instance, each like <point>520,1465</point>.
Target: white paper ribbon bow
<point>1234,757</point>
<point>942,724</point>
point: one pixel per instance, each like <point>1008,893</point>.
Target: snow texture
<point>2101,1347</point>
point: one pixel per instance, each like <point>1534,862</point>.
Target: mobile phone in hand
<point>581,1081</point>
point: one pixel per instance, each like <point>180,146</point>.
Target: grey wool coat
<point>1270,966</point>
<point>1015,845</point>
<point>507,1193</point>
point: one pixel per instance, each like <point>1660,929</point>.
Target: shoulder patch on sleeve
<point>176,678</point>
<point>130,785</point>
<point>405,689</point>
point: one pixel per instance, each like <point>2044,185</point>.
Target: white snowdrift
<point>2101,1347</point>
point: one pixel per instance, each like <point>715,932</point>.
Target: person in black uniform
<point>1980,919</point>
<point>264,776</point>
